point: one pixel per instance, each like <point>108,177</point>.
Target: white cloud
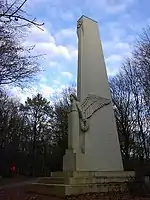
<point>114,58</point>
<point>56,82</point>
<point>45,43</point>
<point>54,64</point>
<point>67,35</point>
<point>60,46</point>
<point>22,94</point>
<point>73,52</point>
<point>123,46</point>
<point>67,16</point>
<point>68,32</point>
<point>111,6</point>
<point>52,50</point>
<point>117,45</point>
<point>113,70</point>
<point>113,63</point>
<point>59,89</point>
<point>40,36</point>
<point>46,90</point>
<point>58,50</point>
<point>67,9</point>
<point>115,55</point>
<point>41,77</point>
<point>67,74</point>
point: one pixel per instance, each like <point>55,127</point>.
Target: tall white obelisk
<point>102,149</point>
<point>92,162</point>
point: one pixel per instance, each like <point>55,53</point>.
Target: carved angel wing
<point>92,103</point>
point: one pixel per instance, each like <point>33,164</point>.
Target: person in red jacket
<point>12,169</point>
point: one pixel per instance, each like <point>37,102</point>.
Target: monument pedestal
<point>77,182</point>
<point>72,161</point>
<point>84,182</point>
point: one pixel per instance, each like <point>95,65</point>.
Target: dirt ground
<point>20,193</point>
<point>17,179</point>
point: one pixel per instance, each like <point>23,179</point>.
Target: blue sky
<point>119,22</point>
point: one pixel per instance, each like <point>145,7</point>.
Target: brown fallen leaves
<point>106,196</point>
<point>21,194</point>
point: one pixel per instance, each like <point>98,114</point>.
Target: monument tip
<point>83,16</point>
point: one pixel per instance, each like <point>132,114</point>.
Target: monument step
<point>98,188</point>
<point>93,173</point>
<point>103,174</point>
<point>83,180</point>
<point>46,189</point>
<point>63,189</point>
<point>55,180</point>
<point>96,180</point>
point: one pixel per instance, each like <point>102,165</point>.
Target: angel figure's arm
<point>79,110</point>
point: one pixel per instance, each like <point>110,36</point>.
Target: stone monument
<point>93,137</point>
<point>93,144</point>
<point>92,162</point>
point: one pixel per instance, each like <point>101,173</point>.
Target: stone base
<point>74,183</point>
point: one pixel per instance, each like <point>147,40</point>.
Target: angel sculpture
<point>76,107</point>
<point>82,112</point>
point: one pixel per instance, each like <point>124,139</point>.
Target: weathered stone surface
<point>96,149</point>
<point>74,183</point>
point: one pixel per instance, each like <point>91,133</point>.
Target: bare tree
<point>17,65</point>
<point>123,108</point>
<point>140,108</point>
<point>40,114</point>
<point>12,10</point>
<point>141,59</point>
<point>130,91</point>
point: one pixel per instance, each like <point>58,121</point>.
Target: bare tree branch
<point>17,65</point>
<point>14,12</point>
<point>19,8</point>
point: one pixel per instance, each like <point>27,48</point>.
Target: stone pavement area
<point>20,193</point>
